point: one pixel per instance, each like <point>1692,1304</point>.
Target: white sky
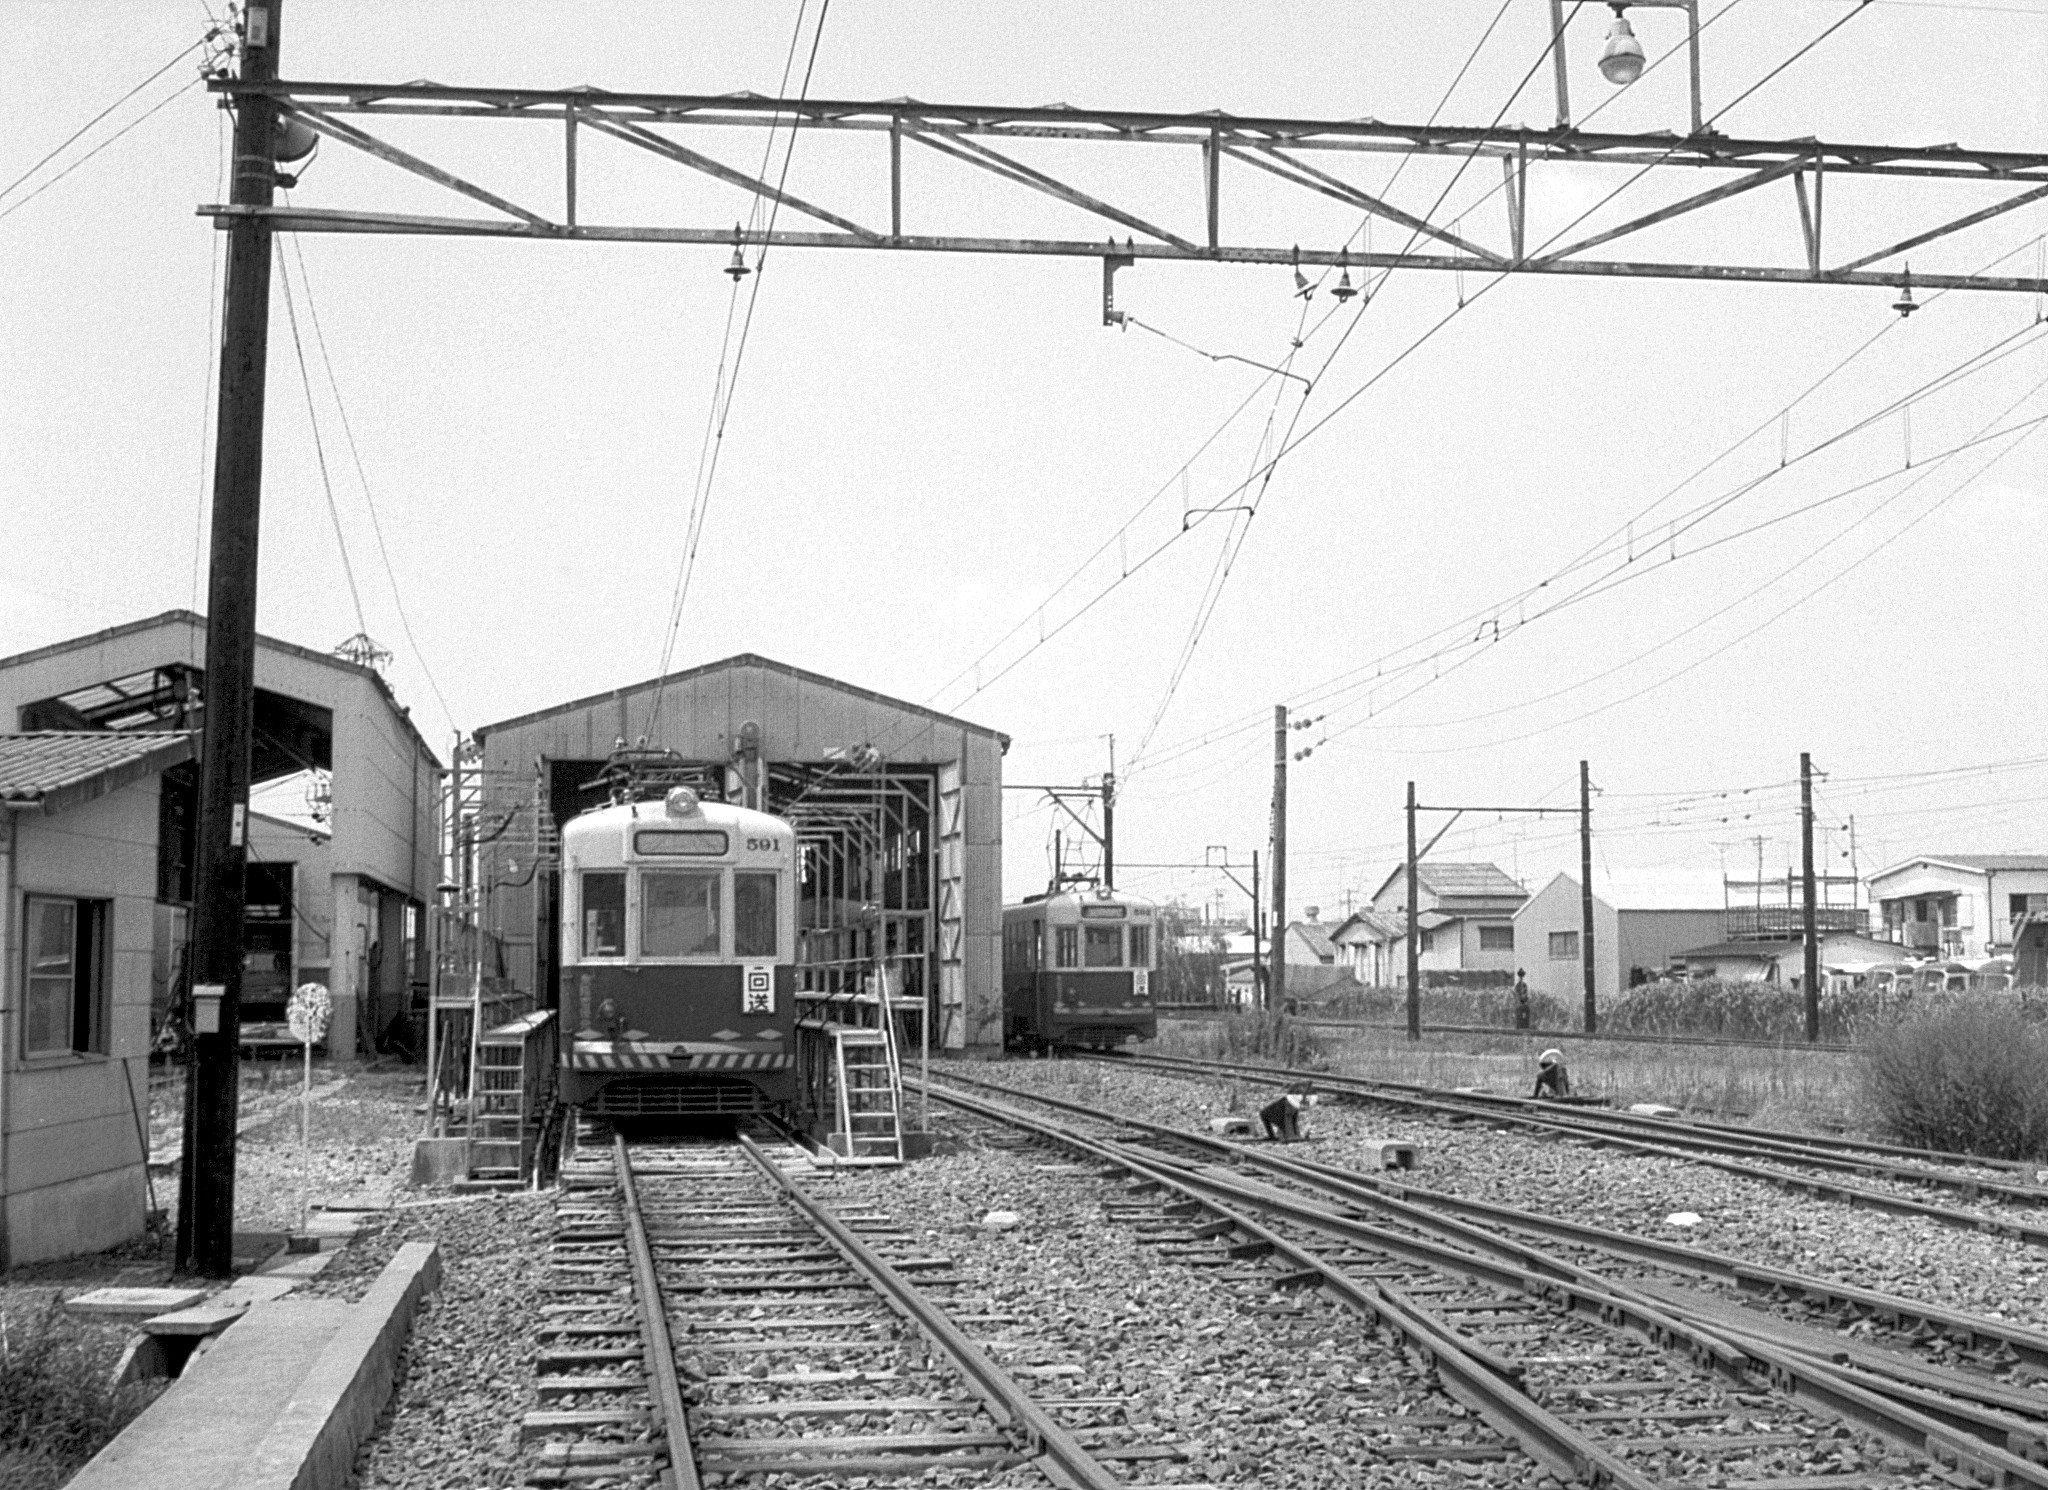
<point>922,447</point>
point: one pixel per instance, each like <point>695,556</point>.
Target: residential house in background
<point>1308,943</point>
<point>1639,930</point>
<point>1364,941</point>
<point>1465,915</point>
<point>1958,905</point>
<point>1782,962</point>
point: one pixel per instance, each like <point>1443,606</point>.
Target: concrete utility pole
<point>1276,981</point>
<point>1414,949</point>
<point>206,1188</point>
<point>1808,914</point>
<point>1586,889</point>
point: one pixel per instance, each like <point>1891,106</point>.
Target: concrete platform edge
<point>313,1443</point>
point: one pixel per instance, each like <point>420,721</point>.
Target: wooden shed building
<point>898,811</point>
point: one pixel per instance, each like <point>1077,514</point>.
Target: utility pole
<point>1109,820</point>
<point>1276,982</point>
<point>1808,917</point>
<point>1414,950</point>
<point>1586,890</point>
<point>1258,922</point>
<point>206,1214</point>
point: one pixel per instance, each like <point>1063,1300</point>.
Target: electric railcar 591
<point>678,959</point>
<point>1077,969</point>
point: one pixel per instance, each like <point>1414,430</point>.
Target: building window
<point>1496,938</point>
<point>1564,946</point>
<point>1066,946</point>
<point>66,977</point>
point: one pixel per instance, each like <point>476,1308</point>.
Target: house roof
<point>747,659</point>
<point>1364,926</point>
<point>1316,937</point>
<point>1995,863</point>
<point>55,770</point>
<point>1463,880</point>
<point>1770,951</point>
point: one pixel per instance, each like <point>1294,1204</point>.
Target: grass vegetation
<point>58,1404</point>
<point>1971,1076</point>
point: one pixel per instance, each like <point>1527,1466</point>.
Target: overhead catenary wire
<point>212,33</point>
<point>348,570</point>
<point>363,482</point>
<point>724,388</point>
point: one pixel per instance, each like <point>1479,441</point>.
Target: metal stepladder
<point>868,1080</point>
<point>503,1117</point>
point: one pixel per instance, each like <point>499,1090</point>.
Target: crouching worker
<point>1552,1080</point>
<point>1283,1116</point>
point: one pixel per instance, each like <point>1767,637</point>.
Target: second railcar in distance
<point>1077,969</point>
<point>678,959</point>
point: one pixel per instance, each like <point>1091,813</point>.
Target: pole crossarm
<point>1271,174</point>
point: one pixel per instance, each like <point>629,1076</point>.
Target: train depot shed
<point>337,885</point>
<point>897,809</point>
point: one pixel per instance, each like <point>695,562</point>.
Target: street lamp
<point>1621,59</point>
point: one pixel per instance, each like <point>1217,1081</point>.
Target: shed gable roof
<point>1976,863</point>
<point>55,770</point>
<point>731,664</point>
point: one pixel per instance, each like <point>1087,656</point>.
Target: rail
<point>1004,1398</point>
<point>1572,1123</point>
<point>1949,1429</point>
<point>649,1304</point>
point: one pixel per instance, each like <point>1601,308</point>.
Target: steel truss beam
<point>968,136</point>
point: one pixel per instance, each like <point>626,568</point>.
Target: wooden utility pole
<point>1586,890</point>
<point>1809,916</point>
<point>1276,980</point>
<point>1414,949</point>
<point>206,1214</point>
<point>1258,922</point>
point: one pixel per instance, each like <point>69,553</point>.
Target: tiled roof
<point>55,770</point>
<point>1469,879</point>
<point>1316,937</point>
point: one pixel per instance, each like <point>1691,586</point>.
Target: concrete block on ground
<point>200,1319</point>
<point>1234,1127</point>
<point>439,1161</point>
<point>1655,1109</point>
<point>133,1303</point>
<point>1392,1153</point>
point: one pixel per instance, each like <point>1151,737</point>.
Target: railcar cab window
<point>1141,946</point>
<point>1105,946</point>
<point>604,913</point>
<point>1066,948</point>
<point>679,914</point>
<point>753,914</point>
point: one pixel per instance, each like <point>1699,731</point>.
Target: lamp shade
<point>1621,60</point>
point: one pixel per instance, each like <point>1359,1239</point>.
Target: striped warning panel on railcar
<point>651,1056</point>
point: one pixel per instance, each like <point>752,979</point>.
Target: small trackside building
<point>78,879</point>
<point>898,810</point>
<point>1958,905</point>
<point>1633,941</point>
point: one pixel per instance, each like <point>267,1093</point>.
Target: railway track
<point>714,1317</point>
<point>1995,1186</point>
<point>1573,1344</point>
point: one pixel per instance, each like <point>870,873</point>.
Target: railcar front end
<point>678,960</point>
<point>1077,969</point>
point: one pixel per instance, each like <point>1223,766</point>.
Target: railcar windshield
<point>1104,946</point>
<point>679,914</point>
<point>604,914</point>
<point>753,915</point>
